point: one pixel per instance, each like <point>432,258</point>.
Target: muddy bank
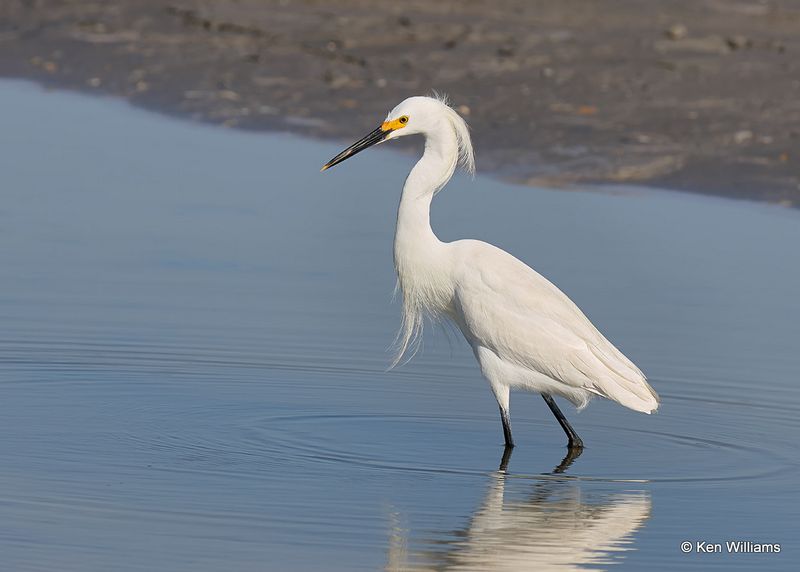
<point>700,95</point>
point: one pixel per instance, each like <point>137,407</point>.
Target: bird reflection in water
<point>554,524</point>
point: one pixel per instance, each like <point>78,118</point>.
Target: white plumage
<point>524,332</point>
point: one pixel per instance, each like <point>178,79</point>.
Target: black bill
<point>367,141</point>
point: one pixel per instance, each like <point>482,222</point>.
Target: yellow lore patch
<point>394,124</point>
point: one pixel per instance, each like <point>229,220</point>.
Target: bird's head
<point>415,115</point>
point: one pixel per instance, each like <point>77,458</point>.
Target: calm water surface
<point>195,326</point>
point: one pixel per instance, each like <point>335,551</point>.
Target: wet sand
<point>699,95</point>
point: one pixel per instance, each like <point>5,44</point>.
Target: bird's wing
<point>513,311</point>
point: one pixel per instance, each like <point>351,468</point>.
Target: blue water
<point>194,343</point>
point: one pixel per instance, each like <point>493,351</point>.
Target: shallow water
<point>194,345</point>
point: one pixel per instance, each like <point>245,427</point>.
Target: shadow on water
<point>572,455</point>
<point>544,525</point>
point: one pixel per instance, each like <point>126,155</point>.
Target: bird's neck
<point>431,173</point>
<point>419,256</point>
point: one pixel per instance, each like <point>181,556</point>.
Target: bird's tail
<point>625,383</point>
<point>639,396</point>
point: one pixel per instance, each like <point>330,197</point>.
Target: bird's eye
<point>403,119</point>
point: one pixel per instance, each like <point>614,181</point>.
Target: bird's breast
<point>425,281</point>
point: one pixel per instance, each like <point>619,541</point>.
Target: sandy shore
<point>700,95</point>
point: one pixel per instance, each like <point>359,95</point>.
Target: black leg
<point>506,458</point>
<point>506,427</point>
<point>574,441</point>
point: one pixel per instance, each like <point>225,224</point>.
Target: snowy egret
<point>524,332</point>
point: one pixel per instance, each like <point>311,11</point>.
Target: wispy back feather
<point>466,157</point>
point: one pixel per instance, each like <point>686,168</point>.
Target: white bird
<point>524,332</point>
